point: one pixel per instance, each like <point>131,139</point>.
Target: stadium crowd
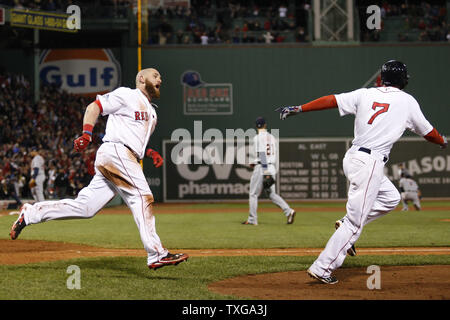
<point>50,125</point>
<point>256,21</point>
<point>421,20</point>
<point>237,21</point>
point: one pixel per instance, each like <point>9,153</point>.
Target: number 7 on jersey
<point>384,106</point>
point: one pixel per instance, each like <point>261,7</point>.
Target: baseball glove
<point>268,181</point>
<point>32,183</point>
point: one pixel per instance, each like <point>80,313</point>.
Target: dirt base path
<point>32,251</point>
<point>398,282</point>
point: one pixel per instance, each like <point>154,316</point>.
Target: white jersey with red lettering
<point>131,121</point>
<point>382,114</point>
<point>132,118</point>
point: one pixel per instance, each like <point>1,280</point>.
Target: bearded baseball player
<point>131,120</point>
<point>264,172</point>
<point>382,114</point>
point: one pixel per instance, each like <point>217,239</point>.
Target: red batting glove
<point>157,159</point>
<point>82,142</point>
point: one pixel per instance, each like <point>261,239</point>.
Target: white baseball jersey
<point>382,114</point>
<point>409,185</point>
<point>132,118</point>
<point>267,143</point>
<point>38,162</point>
<point>131,121</point>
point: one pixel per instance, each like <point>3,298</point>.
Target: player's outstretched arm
<point>434,137</point>
<point>90,118</point>
<point>322,103</point>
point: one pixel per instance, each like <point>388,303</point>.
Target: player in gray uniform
<point>409,191</point>
<point>264,172</point>
<point>37,175</point>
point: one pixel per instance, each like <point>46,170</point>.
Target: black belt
<point>132,151</point>
<point>369,152</point>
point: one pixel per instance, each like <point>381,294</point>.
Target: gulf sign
<point>80,71</point>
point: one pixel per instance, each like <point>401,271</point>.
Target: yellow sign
<point>40,20</point>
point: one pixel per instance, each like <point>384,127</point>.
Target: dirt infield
<point>397,283</point>
<point>400,282</point>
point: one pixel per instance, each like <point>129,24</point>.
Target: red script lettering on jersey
<point>141,115</point>
<point>375,105</point>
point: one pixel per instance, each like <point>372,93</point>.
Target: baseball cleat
<point>169,260</point>
<point>19,224</point>
<point>290,217</point>
<point>327,280</point>
<point>351,251</point>
<point>246,222</point>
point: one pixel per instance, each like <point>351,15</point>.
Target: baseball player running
<point>381,116</point>
<point>264,171</point>
<point>131,120</point>
<point>37,180</point>
<point>409,191</point>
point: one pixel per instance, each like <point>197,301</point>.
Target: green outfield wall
<point>239,83</point>
<point>264,78</point>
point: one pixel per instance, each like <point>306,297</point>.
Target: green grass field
<point>129,278</point>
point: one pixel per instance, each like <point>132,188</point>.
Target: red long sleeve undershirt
<point>325,102</point>
<point>434,136</point>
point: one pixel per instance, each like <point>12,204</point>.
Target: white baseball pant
<point>256,186</point>
<point>117,170</point>
<point>371,195</point>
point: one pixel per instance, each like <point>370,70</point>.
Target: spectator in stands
<point>204,38</point>
<point>179,36</point>
<point>301,35</point>
<point>282,11</point>
<point>255,11</point>
<point>279,38</point>
<point>44,124</point>
<point>7,190</point>
<point>61,183</point>
<point>247,39</point>
<point>186,39</point>
<point>236,35</point>
<point>268,37</point>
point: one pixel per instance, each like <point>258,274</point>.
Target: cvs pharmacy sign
<point>80,71</point>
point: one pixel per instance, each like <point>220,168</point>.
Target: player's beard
<point>152,91</point>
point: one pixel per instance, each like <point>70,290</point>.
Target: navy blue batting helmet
<point>395,74</point>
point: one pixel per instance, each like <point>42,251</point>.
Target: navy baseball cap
<point>260,122</point>
<point>191,78</point>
